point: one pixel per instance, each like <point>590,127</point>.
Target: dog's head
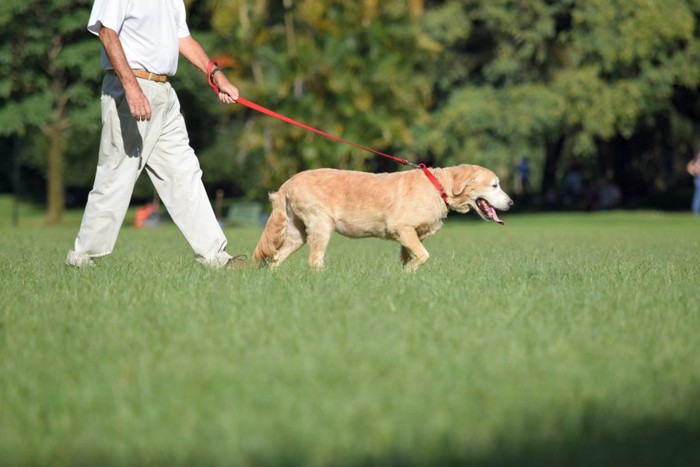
<point>474,187</point>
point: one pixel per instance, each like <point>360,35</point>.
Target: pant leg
<point>696,197</point>
<point>175,172</point>
<point>118,167</point>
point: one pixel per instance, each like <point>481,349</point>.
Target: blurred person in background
<point>693,169</point>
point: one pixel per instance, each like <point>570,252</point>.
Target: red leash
<point>259,108</point>
<point>266,111</point>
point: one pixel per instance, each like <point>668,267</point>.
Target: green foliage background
<point>609,85</point>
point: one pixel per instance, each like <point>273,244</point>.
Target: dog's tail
<point>275,229</point>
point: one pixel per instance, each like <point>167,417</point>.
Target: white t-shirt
<point>149,31</point>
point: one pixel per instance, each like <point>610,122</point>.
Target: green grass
<point>555,340</point>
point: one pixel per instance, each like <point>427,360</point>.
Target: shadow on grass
<point>643,444</point>
<point>648,443</point>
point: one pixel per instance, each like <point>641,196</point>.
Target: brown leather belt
<point>145,75</point>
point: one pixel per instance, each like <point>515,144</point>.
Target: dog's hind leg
<point>275,231</point>
<point>413,253</point>
<point>294,239</point>
<point>319,234</point>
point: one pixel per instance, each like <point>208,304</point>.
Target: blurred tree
<point>557,80</point>
<point>610,83</point>
<point>49,85</point>
<point>353,69</point>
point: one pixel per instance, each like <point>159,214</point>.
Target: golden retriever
<point>402,206</point>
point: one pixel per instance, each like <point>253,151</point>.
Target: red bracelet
<point>210,66</point>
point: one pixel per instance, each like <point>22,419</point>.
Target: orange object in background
<point>143,213</point>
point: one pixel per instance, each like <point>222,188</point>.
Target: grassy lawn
<point>558,339</point>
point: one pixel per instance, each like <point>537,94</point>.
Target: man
<point>142,128</point>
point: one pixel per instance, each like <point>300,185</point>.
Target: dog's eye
<point>495,185</point>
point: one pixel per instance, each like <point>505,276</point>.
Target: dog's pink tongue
<point>494,216</point>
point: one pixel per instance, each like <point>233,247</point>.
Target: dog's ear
<point>463,177</point>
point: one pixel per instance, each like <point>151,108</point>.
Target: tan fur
<point>401,206</point>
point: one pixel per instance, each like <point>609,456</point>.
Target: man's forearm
<point>194,53</point>
<point>139,106</point>
<point>115,53</point>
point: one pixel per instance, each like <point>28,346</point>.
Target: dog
<point>401,206</point>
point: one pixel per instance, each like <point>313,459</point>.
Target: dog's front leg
<point>405,256</point>
<point>413,253</point>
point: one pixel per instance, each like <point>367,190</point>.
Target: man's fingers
<point>228,93</point>
<point>229,96</point>
<point>142,113</point>
<point>141,117</point>
<point>227,99</point>
<point>139,105</point>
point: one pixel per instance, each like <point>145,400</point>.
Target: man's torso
<point>149,31</point>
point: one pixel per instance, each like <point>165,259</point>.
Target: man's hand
<point>228,92</point>
<point>139,106</point>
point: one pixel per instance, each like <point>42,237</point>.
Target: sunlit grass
<point>557,339</point>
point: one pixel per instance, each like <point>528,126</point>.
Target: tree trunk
<point>416,8</point>
<point>16,175</point>
<point>553,155</point>
<point>54,180</point>
<point>55,134</point>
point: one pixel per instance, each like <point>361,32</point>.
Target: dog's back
<point>364,204</point>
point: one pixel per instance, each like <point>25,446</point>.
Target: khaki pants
<point>161,146</point>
